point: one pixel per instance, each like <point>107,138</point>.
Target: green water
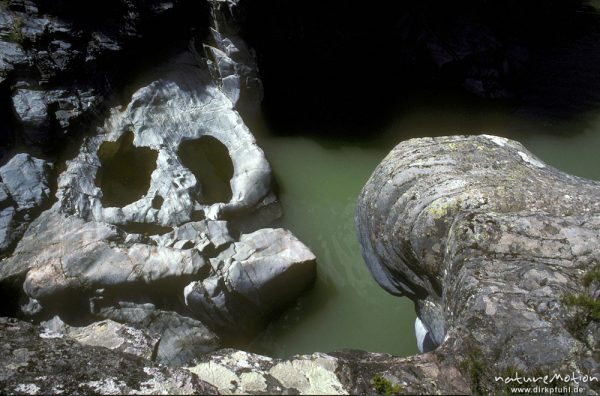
<point>319,183</point>
<point>346,308</point>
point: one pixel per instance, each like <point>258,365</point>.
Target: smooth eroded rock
<point>489,241</point>
<point>261,273</point>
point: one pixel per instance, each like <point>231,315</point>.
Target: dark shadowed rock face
<point>491,244</point>
<point>37,362</point>
<point>60,60</point>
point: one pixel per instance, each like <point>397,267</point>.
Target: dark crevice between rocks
<point>11,295</point>
<point>145,229</point>
<point>124,174</point>
<point>164,294</point>
<point>80,308</point>
<point>208,159</point>
<point>8,124</point>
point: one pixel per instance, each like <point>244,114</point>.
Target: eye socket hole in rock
<point>124,174</point>
<point>157,202</point>
<point>209,161</point>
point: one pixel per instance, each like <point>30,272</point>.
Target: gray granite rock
<point>24,191</point>
<point>243,373</point>
<point>262,272</point>
<point>94,246</point>
<point>34,361</point>
<point>8,228</point>
<point>230,61</point>
<point>186,104</point>
<point>37,109</point>
<point>490,243</point>
<point>82,258</point>
<point>181,339</point>
<point>106,333</point>
<point>26,179</point>
<point>65,61</point>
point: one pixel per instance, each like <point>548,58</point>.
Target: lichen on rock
<point>486,239</point>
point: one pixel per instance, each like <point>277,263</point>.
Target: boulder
<point>26,179</point>
<point>36,362</point>
<point>254,277</point>
<point>498,251</point>
<point>24,191</point>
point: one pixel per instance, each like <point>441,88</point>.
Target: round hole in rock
<point>124,174</point>
<point>157,202</point>
<point>209,161</point>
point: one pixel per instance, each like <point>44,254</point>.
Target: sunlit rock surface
<point>238,372</point>
<point>138,221</point>
<point>183,104</point>
<point>491,244</point>
<point>24,190</point>
<point>107,334</point>
<point>34,361</point>
<point>260,273</point>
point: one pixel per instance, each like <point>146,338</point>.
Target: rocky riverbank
<point>161,220</point>
<point>498,251</point>
<point>155,239</point>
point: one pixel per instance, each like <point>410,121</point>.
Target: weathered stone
<point>26,179</point>
<point>254,277</point>
<point>81,258</point>
<point>8,233</point>
<point>33,110</point>
<point>489,242</point>
<point>24,191</point>
<point>201,234</point>
<point>65,61</point>
<point>181,339</point>
<point>33,362</point>
<point>243,373</point>
<point>183,99</point>
<point>135,220</point>
<point>230,61</point>
<point>108,334</point>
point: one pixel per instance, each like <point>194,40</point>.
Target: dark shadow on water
<point>124,175</point>
<point>345,70</point>
<point>209,161</point>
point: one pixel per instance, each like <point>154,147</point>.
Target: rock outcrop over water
<point>162,218</point>
<point>497,250</point>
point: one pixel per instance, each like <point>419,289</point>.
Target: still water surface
<point>319,183</point>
